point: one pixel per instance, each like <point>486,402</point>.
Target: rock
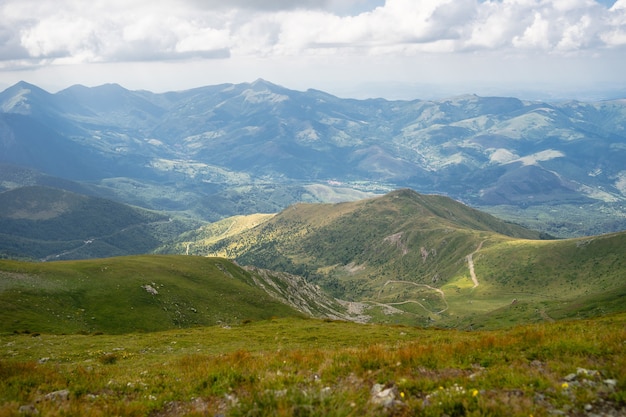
<point>612,383</point>
<point>385,397</point>
<point>61,395</point>
<point>150,289</point>
<point>587,372</point>
<point>28,409</point>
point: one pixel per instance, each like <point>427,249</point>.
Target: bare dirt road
<point>470,263</point>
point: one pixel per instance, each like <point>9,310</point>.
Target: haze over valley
<point>222,150</point>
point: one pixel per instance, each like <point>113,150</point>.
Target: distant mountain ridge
<point>257,147</point>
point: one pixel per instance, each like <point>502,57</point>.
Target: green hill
<point>548,280</point>
<point>50,224</point>
<point>130,294</point>
<point>422,259</point>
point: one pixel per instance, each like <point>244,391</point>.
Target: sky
<point>396,49</point>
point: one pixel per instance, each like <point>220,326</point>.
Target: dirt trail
<point>437,290</point>
<point>545,316</point>
<point>470,263</point>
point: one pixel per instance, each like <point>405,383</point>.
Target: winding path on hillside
<point>437,290</point>
<point>470,263</point>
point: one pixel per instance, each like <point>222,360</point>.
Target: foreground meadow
<point>309,367</point>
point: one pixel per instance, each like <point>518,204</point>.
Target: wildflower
<point>474,392</point>
<point>564,385</point>
<point>402,394</point>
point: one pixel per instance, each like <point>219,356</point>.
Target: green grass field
<point>291,366</point>
<point>129,294</point>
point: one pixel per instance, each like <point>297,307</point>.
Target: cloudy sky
<point>351,48</point>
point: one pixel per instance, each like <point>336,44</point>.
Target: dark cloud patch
<point>339,7</point>
<point>274,5</point>
<point>10,47</point>
<point>137,53</point>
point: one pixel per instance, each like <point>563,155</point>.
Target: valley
<point>402,258</point>
<point>246,249</point>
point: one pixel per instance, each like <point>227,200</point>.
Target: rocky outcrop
<point>305,297</point>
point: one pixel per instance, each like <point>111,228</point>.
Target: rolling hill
<point>144,293</point>
<point>51,224</point>
<point>424,259</point>
<point>401,258</point>
<point>230,149</point>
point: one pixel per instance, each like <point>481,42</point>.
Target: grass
<point>312,367</point>
<point>129,294</point>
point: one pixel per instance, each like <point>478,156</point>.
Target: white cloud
<point>60,29</point>
<point>536,35</point>
<point>40,33</point>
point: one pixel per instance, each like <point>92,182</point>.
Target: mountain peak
<point>21,85</point>
<point>110,87</point>
<point>19,97</point>
<point>261,81</point>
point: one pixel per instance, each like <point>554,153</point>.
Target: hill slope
<point>48,223</point>
<point>416,259</point>
<point>130,294</point>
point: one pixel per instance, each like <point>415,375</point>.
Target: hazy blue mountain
<point>221,150</point>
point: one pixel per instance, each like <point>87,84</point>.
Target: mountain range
<point>257,222</point>
<point>223,150</point>
<point>297,187</point>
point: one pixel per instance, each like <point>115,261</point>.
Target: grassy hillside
<point>305,367</point>
<point>414,259</point>
<point>548,280</point>
<point>47,223</point>
<point>128,294</point>
<point>196,242</point>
